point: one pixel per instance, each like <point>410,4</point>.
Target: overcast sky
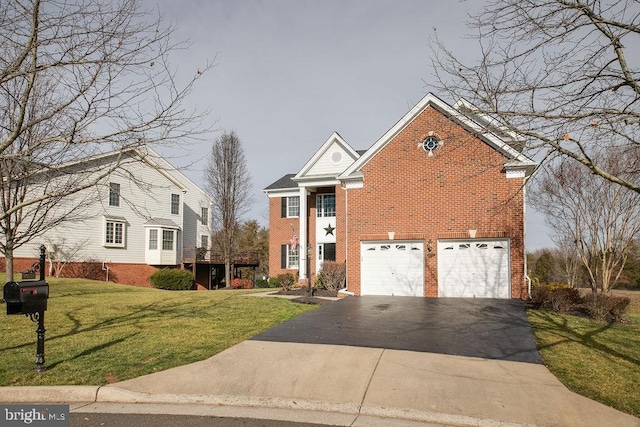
<point>290,72</point>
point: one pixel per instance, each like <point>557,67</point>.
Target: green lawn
<point>597,360</point>
<point>99,332</point>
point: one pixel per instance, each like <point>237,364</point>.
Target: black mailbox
<point>26,297</point>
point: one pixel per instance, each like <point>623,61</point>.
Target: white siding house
<point>141,217</point>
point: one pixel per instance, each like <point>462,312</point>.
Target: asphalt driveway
<point>486,328</point>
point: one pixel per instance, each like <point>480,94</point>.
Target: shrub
<point>172,279</point>
<point>286,281</point>
<point>540,295</point>
<point>241,284</point>
<point>564,300</point>
<point>332,275</point>
<point>607,308</point>
<point>271,282</point>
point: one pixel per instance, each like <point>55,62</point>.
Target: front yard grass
<point>99,333</point>
<point>598,360</point>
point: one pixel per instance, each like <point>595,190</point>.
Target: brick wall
<point>463,186</point>
<point>279,234</point>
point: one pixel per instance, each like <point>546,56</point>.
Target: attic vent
<point>336,157</point>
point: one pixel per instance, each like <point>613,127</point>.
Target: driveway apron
<point>485,328</point>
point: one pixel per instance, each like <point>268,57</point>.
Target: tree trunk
<point>227,272</point>
<point>8,256</point>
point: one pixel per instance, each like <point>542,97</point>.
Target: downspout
<point>344,291</point>
<point>524,233</point>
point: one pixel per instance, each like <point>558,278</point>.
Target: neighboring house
<point>435,207</point>
<point>144,216</point>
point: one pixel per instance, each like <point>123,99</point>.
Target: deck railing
<point>191,255</point>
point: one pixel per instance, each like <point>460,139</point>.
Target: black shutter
<point>283,256</point>
<point>283,208</point>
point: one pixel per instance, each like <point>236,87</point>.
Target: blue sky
<point>290,72</point>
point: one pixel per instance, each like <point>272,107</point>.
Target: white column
<point>302,249</point>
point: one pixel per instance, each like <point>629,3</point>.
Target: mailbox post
<point>30,298</point>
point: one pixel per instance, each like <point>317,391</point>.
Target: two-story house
<point>435,207</point>
<point>143,216</point>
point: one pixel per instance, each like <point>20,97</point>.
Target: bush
<point>271,282</point>
<point>564,300</point>
<point>172,279</point>
<point>241,284</point>
<point>540,294</point>
<point>286,281</point>
<point>607,308</point>
<point>332,275</point>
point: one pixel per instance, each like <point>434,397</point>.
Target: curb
<point>112,394</point>
<point>49,394</point>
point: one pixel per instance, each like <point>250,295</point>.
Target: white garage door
<point>392,268</point>
<point>474,268</point>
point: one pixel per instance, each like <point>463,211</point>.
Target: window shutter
<point>283,256</point>
<point>283,208</point>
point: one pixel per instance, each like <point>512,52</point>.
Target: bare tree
<point>562,74</point>
<point>60,254</point>
<point>600,218</point>
<point>79,79</point>
<point>229,183</point>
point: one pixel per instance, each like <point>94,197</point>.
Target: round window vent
<point>336,157</point>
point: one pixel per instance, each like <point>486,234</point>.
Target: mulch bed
<point>305,292</point>
<point>306,299</point>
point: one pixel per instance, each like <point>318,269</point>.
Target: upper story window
<point>114,194</point>
<point>204,216</point>
<point>326,205</point>
<point>290,207</point>
<point>175,204</point>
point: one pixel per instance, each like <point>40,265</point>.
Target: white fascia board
<point>317,181</point>
<point>282,192</point>
<point>335,137</point>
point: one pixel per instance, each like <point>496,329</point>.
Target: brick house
<point>435,207</point>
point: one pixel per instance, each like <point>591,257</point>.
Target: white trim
<point>515,173</point>
<point>282,192</point>
<point>334,138</point>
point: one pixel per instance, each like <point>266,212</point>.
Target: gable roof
<point>516,159</point>
<point>328,161</point>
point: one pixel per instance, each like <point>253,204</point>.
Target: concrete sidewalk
<point>344,385</point>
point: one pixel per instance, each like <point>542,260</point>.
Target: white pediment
<point>333,158</point>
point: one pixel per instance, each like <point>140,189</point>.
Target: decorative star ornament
<point>329,229</point>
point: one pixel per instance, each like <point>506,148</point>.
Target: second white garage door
<point>392,268</point>
<point>474,268</point>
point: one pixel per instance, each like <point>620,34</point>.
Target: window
<point>290,207</point>
<point>204,241</point>
<point>204,216</point>
<point>288,258</point>
<point>167,240</point>
<point>326,205</point>
<point>175,204</point>
<point>293,207</point>
<point>114,233</point>
<point>329,252</point>
<point>293,258</point>
<point>153,240</point>
<point>114,194</point>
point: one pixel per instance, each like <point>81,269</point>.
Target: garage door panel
<point>472,268</point>
<point>392,268</point>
